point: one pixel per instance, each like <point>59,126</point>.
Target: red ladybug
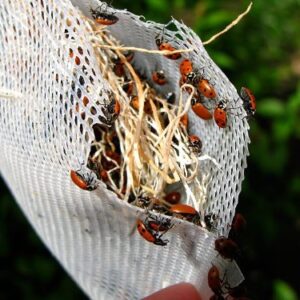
<point>161,45</point>
<point>103,18</point>
<point>103,175</point>
<point>149,235</point>
<point>195,144</point>
<point>220,114</point>
<point>200,110</point>
<point>87,184</point>
<point>159,77</point>
<point>173,197</point>
<point>186,67</point>
<point>214,281</point>
<point>238,223</point>
<point>184,121</point>
<point>249,102</point>
<point>206,89</point>
<point>227,248</point>
<point>119,69</point>
<point>183,209</point>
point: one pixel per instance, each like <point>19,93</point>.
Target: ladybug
<point>173,197</point>
<point>102,17</point>
<point>238,223</point>
<point>159,77</point>
<point>200,110</point>
<point>144,231</point>
<point>249,102</point>
<point>149,235</point>
<point>195,144</point>
<point>113,107</point>
<point>159,225</point>
<point>220,114</point>
<point>227,248</point>
<point>186,212</point>
<point>184,121</point>
<point>202,85</point>
<point>128,88</point>
<point>186,67</point>
<point>119,69</point>
<point>206,89</point>
<point>183,209</point>
<point>214,281</point>
<point>134,102</point>
<point>161,45</point>
<point>87,184</point>
<point>103,175</point>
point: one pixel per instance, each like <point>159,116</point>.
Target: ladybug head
<point>222,104</point>
<point>191,76</point>
<point>194,101</point>
<point>158,40</point>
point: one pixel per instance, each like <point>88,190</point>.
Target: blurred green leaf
<point>215,21</point>
<point>283,129</point>
<point>222,59</point>
<point>271,107</point>
<point>282,291</point>
<point>158,5</point>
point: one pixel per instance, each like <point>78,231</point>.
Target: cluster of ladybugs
<point>227,248</point>
<point>188,75</point>
<point>203,89</point>
<point>169,206</point>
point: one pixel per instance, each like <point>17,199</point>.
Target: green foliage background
<point>263,53</point>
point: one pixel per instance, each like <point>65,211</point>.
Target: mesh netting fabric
<point>43,137</point>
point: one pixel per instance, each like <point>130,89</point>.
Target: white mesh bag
<point>42,139</point>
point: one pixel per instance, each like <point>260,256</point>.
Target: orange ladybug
<point>161,45</point>
<point>159,77</point>
<point>134,102</point>
<point>87,184</point>
<point>183,209</point>
<point>220,114</point>
<point>128,88</point>
<point>195,144</point>
<point>149,235</point>
<point>206,89</point>
<point>200,110</point>
<point>186,67</point>
<point>184,120</point>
